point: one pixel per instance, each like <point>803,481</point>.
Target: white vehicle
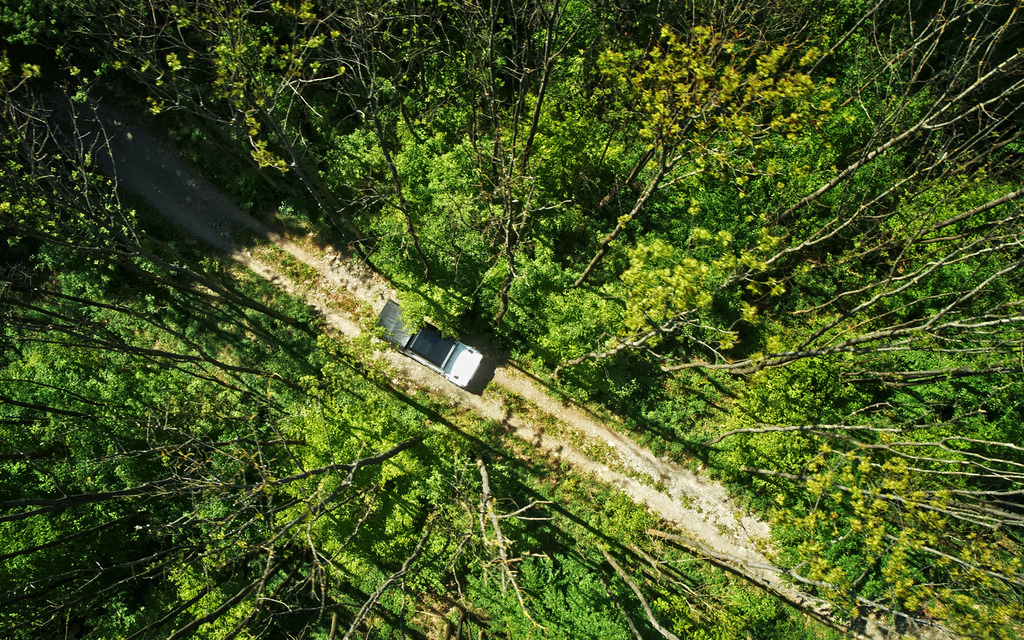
<point>450,358</point>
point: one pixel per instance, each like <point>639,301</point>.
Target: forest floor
<point>698,508</point>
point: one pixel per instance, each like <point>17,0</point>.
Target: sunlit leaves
<point>662,285</point>
<point>712,97</point>
<point>894,547</point>
<point>672,290</point>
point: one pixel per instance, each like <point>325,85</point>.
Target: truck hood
<point>462,364</point>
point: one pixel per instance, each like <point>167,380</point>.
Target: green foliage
<point>566,601</point>
<point>808,392</point>
<point>741,614</point>
<point>664,285</point>
<point>566,322</point>
<point>881,507</point>
<point>707,96</point>
<point>848,249</point>
<point>895,544</point>
<point>439,305</point>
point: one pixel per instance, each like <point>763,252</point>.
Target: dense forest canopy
<point>779,240</point>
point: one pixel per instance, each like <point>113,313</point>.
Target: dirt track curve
<point>699,508</point>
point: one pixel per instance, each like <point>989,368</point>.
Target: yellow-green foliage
<point>900,547</point>
<point>806,392</point>
<point>664,282</point>
<point>711,97</point>
<point>661,286</point>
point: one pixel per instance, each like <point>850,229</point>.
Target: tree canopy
<point>780,240</point>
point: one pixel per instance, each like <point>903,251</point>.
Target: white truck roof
<point>462,364</point>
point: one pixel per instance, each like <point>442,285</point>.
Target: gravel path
<point>697,507</point>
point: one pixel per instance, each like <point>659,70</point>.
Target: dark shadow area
<point>360,596</point>
<point>483,377</point>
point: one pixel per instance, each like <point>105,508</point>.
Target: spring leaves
<point>713,108</point>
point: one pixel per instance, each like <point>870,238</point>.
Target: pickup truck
<point>449,357</point>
